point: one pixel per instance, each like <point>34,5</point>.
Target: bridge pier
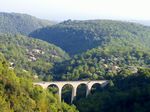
<point>74,92</point>
<point>59,93</point>
<point>88,90</point>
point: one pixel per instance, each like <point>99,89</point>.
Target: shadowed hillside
<point>21,23</point>
<point>78,36</point>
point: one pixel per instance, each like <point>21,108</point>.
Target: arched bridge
<point>74,84</point>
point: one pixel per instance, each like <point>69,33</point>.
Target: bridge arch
<point>68,88</point>
<point>81,90</point>
<point>96,87</point>
<point>54,88</point>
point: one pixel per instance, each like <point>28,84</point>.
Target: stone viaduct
<point>74,84</point>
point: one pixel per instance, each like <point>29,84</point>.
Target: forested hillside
<point>99,49</point>
<point>17,94</point>
<point>21,23</point>
<point>103,63</point>
<point>126,66</point>
<point>125,93</point>
<point>78,36</point>
<point>30,55</point>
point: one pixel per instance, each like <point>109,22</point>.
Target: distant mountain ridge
<point>143,22</point>
<point>21,23</point>
<point>79,36</point>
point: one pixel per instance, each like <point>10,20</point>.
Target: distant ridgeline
<point>78,36</point>
<point>21,23</point>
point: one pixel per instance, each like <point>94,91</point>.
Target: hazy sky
<point>80,9</point>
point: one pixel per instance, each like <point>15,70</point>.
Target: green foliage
<point>79,36</point>
<point>67,108</point>
<point>117,51</point>
<point>103,63</point>
<point>16,23</point>
<point>19,94</point>
<point>30,55</point>
<point>126,94</point>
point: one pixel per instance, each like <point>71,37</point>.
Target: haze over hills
<point>21,23</point>
<point>78,36</point>
<point>93,41</point>
<point>99,49</point>
<point>143,22</point>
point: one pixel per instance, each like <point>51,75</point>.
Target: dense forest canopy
<point>78,36</point>
<point>21,23</point>
<point>125,93</point>
<point>30,55</point>
<point>102,63</point>
<point>17,94</point>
